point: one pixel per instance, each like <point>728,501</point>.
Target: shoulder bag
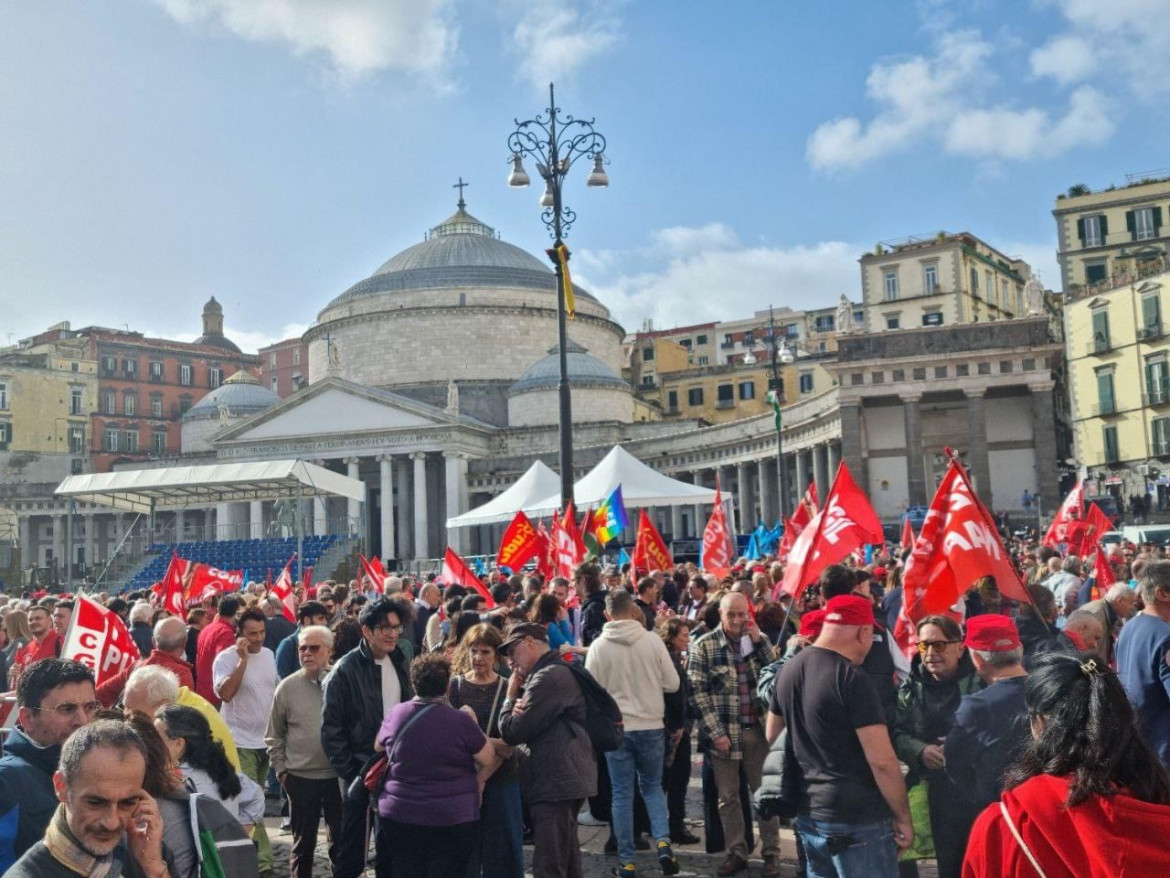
<point>376,773</point>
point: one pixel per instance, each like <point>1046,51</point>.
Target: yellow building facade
<point>1114,234</point>
<point>718,394</point>
<point>45,402</point>
<point>1118,351</point>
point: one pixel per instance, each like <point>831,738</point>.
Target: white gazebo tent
<point>534,485</point>
<point>174,487</point>
<point>642,486</point>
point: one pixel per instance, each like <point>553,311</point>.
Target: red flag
<point>568,550</point>
<point>717,540</point>
<point>283,591</point>
<point>846,522</point>
<point>203,581</point>
<point>98,639</point>
<point>519,544</point>
<point>373,569</point>
<point>805,510</point>
<point>544,551</point>
<point>958,544</point>
<point>908,537</point>
<point>308,578</point>
<point>456,572</point>
<point>1097,524</point>
<point>650,551</point>
<point>174,597</point>
<point>1102,575</point>
<point>1069,511</point>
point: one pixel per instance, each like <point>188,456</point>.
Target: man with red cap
<point>991,726</point>
<point>853,815</point>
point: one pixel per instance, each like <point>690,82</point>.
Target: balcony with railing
<point>1156,397</point>
<point>1151,332</point>
<point>1101,344</point>
<point>1160,448</point>
<point>1104,408</point>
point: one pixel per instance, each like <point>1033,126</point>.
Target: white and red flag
<point>173,590</point>
<point>203,581</point>
<point>716,557</point>
<point>568,549</point>
<point>456,572</point>
<point>1069,512</point>
<point>846,522</point>
<point>372,567</point>
<point>282,589</point>
<point>98,639</point>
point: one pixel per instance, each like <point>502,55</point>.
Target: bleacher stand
<point>258,557</point>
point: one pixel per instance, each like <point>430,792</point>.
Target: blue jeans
<point>848,850</point>
<point>500,852</point>
<point>640,756</point>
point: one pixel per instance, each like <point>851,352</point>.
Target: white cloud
<point>939,98</point>
<point>357,36</point>
<point>1067,59</point>
<point>247,340</point>
<point>724,281</point>
<point>688,239</point>
<point>556,37</point>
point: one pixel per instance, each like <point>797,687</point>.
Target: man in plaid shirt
<point>723,669</point>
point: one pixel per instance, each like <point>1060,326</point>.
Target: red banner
<point>1069,511</point>
<point>650,551</point>
<point>805,510</point>
<point>519,544</point>
<point>205,581</point>
<point>1097,524</point>
<point>717,540</point>
<point>99,640</point>
<point>846,522</point>
<point>283,590</point>
<point>456,572</point>
<point>372,567</point>
<point>544,552</point>
<point>174,588</point>
<point>908,537</point>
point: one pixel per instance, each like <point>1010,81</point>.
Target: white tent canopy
<point>536,484</point>
<point>641,486</point>
<point>176,487</point>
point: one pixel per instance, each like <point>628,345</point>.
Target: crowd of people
<point>436,732</point>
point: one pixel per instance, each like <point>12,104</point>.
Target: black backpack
<point>603,718</point>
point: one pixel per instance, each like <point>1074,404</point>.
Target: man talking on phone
<point>723,668</point>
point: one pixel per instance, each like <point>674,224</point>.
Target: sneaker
<point>666,858</point>
<point>684,836</point>
<point>586,818</point>
<point>733,865</point>
<point>624,871</point>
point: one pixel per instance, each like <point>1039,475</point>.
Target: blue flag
<point>480,567</point>
<point>623,556</point>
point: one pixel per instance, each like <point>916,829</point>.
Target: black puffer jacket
<point>592,617</point>
<point>926,709</point>
<point>352,712</point>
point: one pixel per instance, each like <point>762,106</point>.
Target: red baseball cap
<point>992,632</point>
<point>849,609</point>
<point>811,623</point>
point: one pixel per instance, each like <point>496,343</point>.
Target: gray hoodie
<point>633,664</point>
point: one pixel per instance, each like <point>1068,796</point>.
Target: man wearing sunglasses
<point>54,698</point>
<point>294,745</point>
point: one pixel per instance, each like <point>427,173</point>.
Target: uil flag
<point>99,640</point>
<point>568,550</point>
<point>907,535</point>
<point>650,551</point>
<point>1069,511</point>
<point>717,540</point>
<point>957,545</point>
<point>174,591</point>
<point>456,572</point>
<point>846,522</point>
<point>282,590</point>
<point>520,543</point>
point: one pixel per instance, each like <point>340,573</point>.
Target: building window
<point>1005,298</point>
<point>647,355</point>
<point>930,279</point>
<point>1029,364</point>
<point>857,378</point>
<point>700,339</point>
<point>1096,271</point>
<point>1157,381</point>
<point>940,371</point>
<point>891,285</point>
<point>1106,403</point>
<point>898,375</point>
<point>131,441</point>
<point>990,287</point>
<point>695,396</point>
<point>984,369</point>
<point>919,374</point>
<point>648,379</point>
<point>672,401</point>
<point>130,404</point>
<point>158,442</point>
<point>156,410</point>
<point>5,435</point>
<point>272,360</point>
<point>975,282</point>
<point>962,370</point>
<point>156,371</point>
<point>75,367</point>
<point>110,439</point>
<point>1101,330</point>
<point>109,365</point>
<point>274,384</point>
<point>725,396</point>
<point>75,466</point>
<point>185,374</point>
<point>934,318</point>
<point>704,360</point>
<point>110,404</point>
<point>130,369</point>
<point>1109,435</point>
<point>184,404</point>
<point>1092,230</point>
<point>858,318</point>
<point>1161,430</point>
<point>825,323</point>
<point>893,323</point>
<point>877,378</point>
<point>214,377</point>
<point>1005,366</point>
<point>296,356</point>
<point>76,440</point>
<point>685,342</point>
<point>3,395</point>
<point>747,390</point>
<point>75,401</point>
<point>1144,223</point>
<point>806,382</point>
<point>1152,316</point>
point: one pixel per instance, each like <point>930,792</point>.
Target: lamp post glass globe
<point>519,177</point>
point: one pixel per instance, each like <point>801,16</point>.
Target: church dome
<point>585,370</point>
<point>460,251</point>
<point>242,394</point>
<point>213,328</point>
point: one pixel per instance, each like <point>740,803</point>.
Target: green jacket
<point>926,710</point>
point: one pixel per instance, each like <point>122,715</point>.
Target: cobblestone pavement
<point>596,863</point>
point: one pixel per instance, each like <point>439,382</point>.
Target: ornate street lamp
<point>554,143</point>
<point>781,353</point>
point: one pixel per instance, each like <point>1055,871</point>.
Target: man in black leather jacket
<point>354,706</point>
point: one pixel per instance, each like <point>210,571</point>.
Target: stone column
<point>256,519</point>
<point>676,522</point>
<point>180,526</point>
<point>820,456</point>
<point>386,524</point>
<point>402,508</point>
<point>743,500</point>
<point>119,529</point>
<point>26,544</point>
<point>834,458</point>
<point>977,457</point>
<point>915,463</point>
<point>209,529</point>
<point>353,509</point>
<point>852,449</point>
<point>59,542</point>
<point>766,491</point>
<point>90,528</point>
<point>320,516</point>
<point>697,511</point>
<point>1044,440</point>
<point>802,475</point>
<point>421,543</point>
<point>456,487</point>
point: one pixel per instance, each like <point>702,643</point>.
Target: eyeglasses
<point>68,708</point>
<point>310,647</point>
<point>925,646</point>
<point>389,629</point>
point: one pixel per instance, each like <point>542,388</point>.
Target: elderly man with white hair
<point>151,687</point>
<point>1112,611</point>
<point>140,626</point>
<point>170,645</point>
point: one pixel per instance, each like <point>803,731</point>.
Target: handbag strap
<point>1020,839</point>
<point>402,731</point>
<point>495,704</point>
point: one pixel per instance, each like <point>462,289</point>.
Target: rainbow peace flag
<point>610,518</point>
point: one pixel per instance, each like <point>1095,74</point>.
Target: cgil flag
<point>283,591</point>
<point>98,639</point>
<point>650,551</point>
<point>610,519</point>
<point>846,522</point>
<point>520,542</point>
<point>1068,514</point>
<point>1097,524</point>
<point>174,587</point>
<point>716,557</point>
<point>456,572</point>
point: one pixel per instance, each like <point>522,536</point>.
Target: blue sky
<point>273,152</point>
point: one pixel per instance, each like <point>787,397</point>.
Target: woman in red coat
<point>1087,797</point>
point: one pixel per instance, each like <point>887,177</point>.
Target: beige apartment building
<point>1115,234</point>
<point>940,280</point>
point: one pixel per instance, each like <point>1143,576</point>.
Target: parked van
<point>1148,533</point>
